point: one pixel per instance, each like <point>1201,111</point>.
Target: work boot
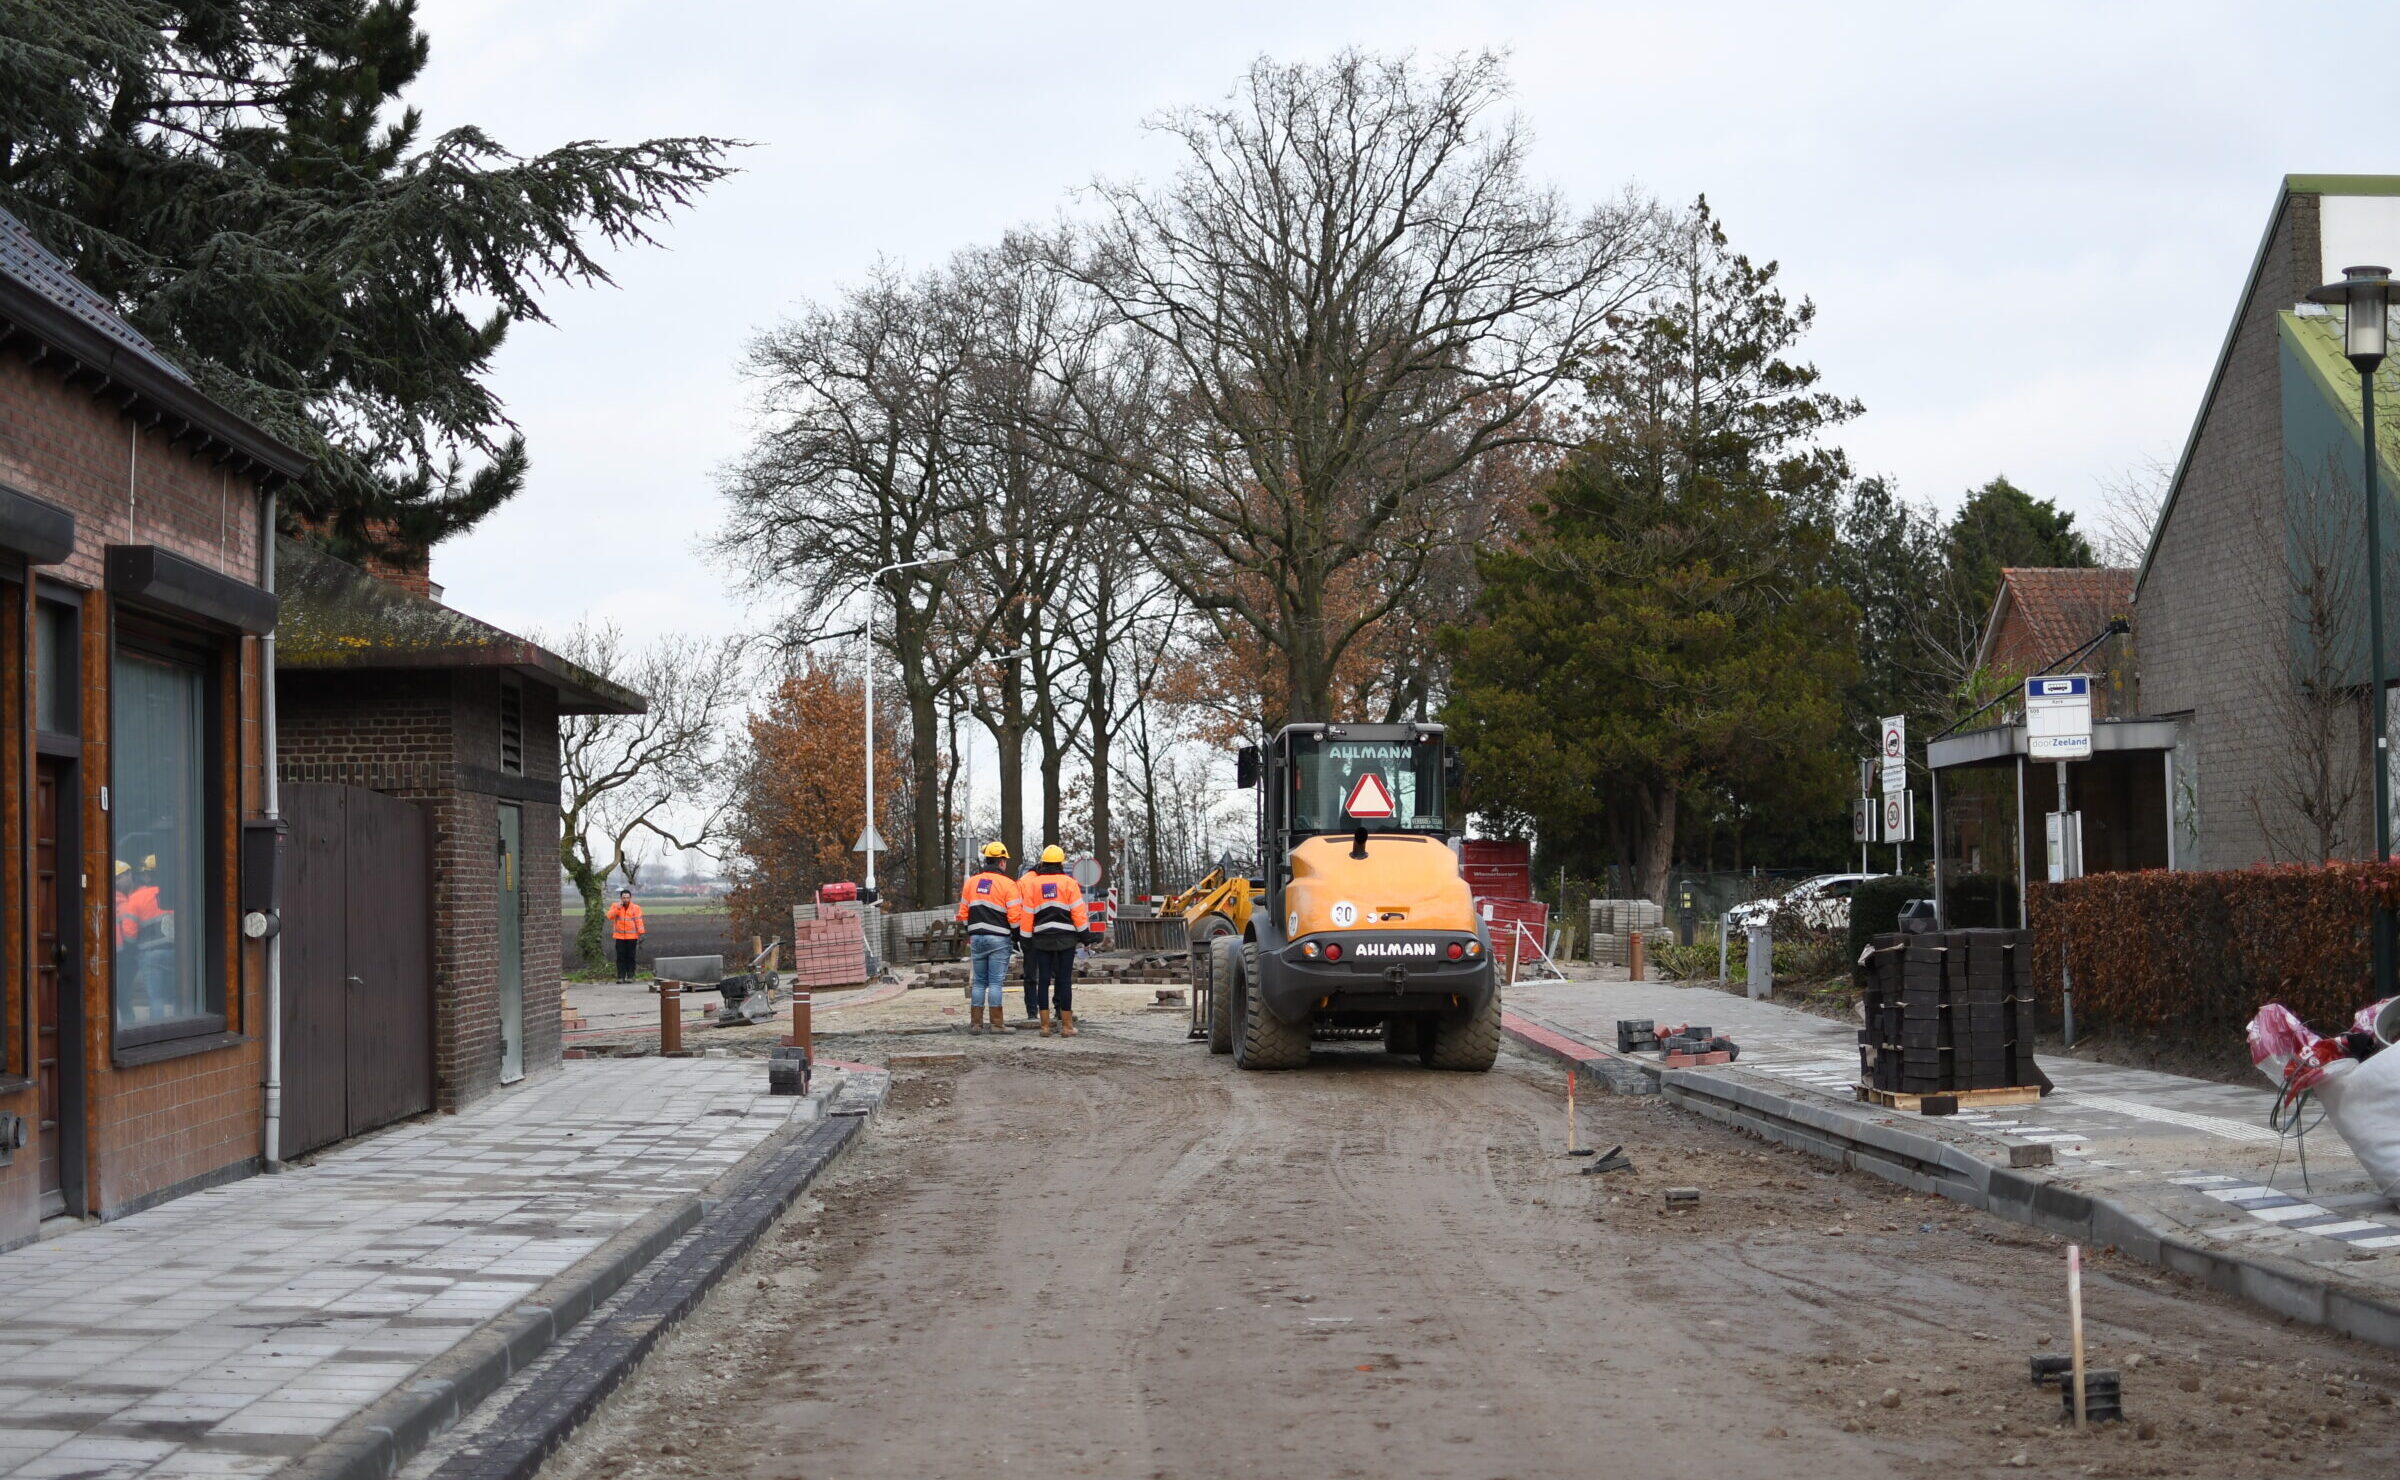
<point>1066,1023</point>
<point>1045,1022</point>
<point>999,1012</point>
<point>974,1019</point>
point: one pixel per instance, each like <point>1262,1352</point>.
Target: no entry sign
<point>1370,798</point>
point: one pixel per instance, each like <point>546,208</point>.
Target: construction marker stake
<point>1570,1109</point>
<point>2075,1323</point>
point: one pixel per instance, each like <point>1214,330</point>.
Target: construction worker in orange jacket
<point>625,923</point>
<point>991,907</point>
<point>1055,923</point>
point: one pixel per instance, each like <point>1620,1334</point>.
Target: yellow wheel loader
<point>1362,919</point>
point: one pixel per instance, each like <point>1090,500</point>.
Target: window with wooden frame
<point>512,728</point>
<point>170,827</point>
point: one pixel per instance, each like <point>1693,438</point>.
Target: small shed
<point>418,752</point>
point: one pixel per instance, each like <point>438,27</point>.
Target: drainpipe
<point>271,1148</point>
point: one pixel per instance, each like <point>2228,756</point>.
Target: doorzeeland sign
<point>2058,717</point>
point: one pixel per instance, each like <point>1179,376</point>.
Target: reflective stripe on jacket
<point>1055,916</point>
<point>626,920</point>
<point>990,904</point>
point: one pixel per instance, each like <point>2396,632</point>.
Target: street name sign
<point>2058,717</point>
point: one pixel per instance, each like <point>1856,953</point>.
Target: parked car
<point>1821,903</point>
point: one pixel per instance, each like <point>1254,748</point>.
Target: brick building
<point>2043,616</point>
<point>380,688</point>
<point>131,516</point>
<point>2250,602</point>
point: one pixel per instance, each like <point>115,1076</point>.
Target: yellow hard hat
<point>995,850</point>
<point>149,860</point>
<point>123,868</point>
<point>1054,854</point>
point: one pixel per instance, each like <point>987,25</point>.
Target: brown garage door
<point>357,964</point>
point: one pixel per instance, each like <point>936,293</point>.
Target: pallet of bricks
<point>1949,1014</point>
<point>1612,920</point>
<point>830,951</point>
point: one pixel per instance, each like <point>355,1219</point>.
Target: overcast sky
<point>2024,226</point>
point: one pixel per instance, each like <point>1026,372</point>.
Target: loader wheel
<point>1468,1041</point>
<point>1261,1040</point>
<point>1228,957</point>
<point>1402,1034</point>
<point>1206,978</point>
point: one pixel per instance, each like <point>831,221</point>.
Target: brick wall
<point>156,1128</point>
<point>434,738</point>
<point>2207,623</point>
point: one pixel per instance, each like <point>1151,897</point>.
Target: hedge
<point>2195,954</point>
<point>1875,906</point>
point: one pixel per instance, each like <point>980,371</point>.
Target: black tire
<point>1203,935</point>
<point>1262,1040</point>
<point>1401,1035</point>
<point>1469,1042</point>
<point>1227,953</point>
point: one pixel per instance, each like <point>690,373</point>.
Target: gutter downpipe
<point>271,1146</point>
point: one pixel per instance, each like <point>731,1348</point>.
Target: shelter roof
<point>336,617</point>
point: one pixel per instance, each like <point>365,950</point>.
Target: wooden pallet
<point>1968,1099</point>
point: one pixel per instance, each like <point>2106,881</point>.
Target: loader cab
<point>1307,777</point>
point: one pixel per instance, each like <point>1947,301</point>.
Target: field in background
<point>678,927</point>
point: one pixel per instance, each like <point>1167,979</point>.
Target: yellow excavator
<point>1360,920</point>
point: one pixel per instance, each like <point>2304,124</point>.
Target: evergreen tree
<point>2001,525</point>
<point>229,174</point>
<point>1671,631</point>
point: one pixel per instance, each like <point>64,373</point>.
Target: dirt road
<point>1119,1257</point>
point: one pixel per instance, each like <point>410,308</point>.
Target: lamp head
<point>2365,294</point>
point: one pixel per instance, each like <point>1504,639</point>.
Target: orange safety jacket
<point>991,903</point>
<point>626,919</point>
<point>136,909</point>
<point>1055,916</point>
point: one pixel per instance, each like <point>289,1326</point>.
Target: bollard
<point>803,1037</point>
<point>1633,956</point>
<point>1762,961</point>
<point>670,1019</point>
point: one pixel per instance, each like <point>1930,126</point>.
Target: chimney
<point>410,570</point>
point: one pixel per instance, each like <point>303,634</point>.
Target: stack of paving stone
<point>1612,920</point>
<point>1948,1011</point>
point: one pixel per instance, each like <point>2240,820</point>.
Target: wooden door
<point>357,964</point>
<point>389,944</point>
<point>58,1067</point>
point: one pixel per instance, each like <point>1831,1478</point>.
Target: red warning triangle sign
<point>1369,798</point>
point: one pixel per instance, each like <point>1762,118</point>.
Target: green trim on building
<point>2342,184</point>
<point>2316,344</point>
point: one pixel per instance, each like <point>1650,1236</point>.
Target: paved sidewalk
<point>2190,1162</point>
<point>223,1333</point>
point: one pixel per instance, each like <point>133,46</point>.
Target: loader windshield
<point>1327,776</point>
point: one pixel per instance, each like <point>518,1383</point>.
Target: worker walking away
<point>625,923</point>
<point>1056,922</point>
<point>992,908</point>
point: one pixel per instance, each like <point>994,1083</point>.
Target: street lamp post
<point>2365,294</point>
<point>868,835</point>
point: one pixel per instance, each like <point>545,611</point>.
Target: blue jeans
<point>987,969</point>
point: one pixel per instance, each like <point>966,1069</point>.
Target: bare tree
<point>1358,295</point>
<point>858,467</point>
<point>2306,565</point>
<point>658,774</point>
<point>2128,514</point>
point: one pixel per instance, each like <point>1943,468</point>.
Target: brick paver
<point>222,1333</point>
